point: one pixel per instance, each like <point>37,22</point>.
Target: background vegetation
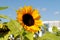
<point>19,33</point>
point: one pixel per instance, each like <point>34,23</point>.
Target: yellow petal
<point>34,27</point>
<point>23,10</point>
<point>35,14</point>
<point>18,11</point>
<point>1,25</point>
<point>19,16</point>
<point>28,9</point>
<point>38,22</point>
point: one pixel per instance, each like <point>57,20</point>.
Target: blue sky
<point>49,9</point>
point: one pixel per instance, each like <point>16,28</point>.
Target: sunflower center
<point>4,30</point>
<point>28,20</point>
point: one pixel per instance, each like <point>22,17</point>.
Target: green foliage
<point>29,36</point>
<point>3,8</point>
<point>37,38</point>
<point>3,37</point>
<point>4,17</point>
<point>54,29</point>
<point>58,33</point>
<point>49,36</point>
<point>18,31</point>
<point>13,25</point>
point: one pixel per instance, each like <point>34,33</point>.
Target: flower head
<point>29,18</point>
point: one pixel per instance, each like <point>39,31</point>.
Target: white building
<point>51,24</point>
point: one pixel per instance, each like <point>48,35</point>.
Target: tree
<point>54,29</point>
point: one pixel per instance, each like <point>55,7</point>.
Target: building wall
<point>51,24</point>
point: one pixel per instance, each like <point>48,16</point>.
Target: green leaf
<point>5,37</point>
<point>29,36</point>
<point>49,36</point>
<point>3,8</point>
<point>15,27</point>
<point>58,33</point>
<point>55,29</point>
<point>4,16</point>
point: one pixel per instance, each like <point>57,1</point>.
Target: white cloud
<point>44,9</point>
<point>56,12</point>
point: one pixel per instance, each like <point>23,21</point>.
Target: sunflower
<point>4,29</point>
<point>29,18</point>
